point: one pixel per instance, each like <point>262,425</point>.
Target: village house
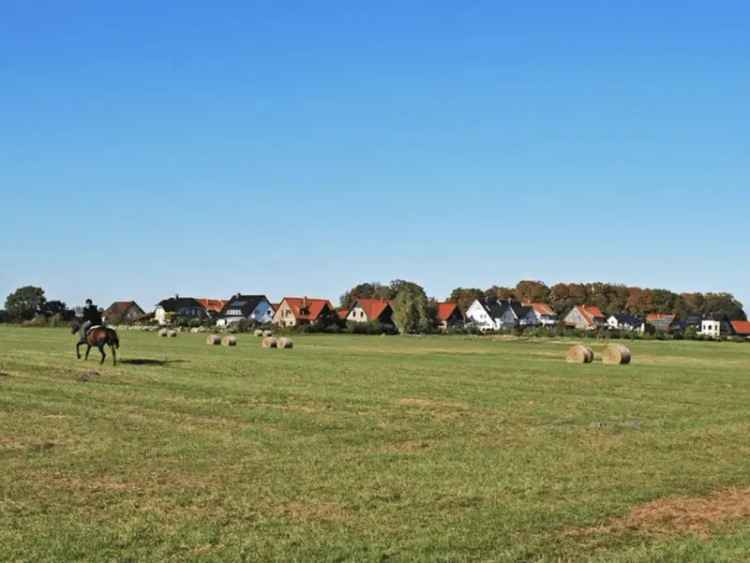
<point>252,308</point>
<point>213,307</point>
<point>740,328</point>
<point>482,314</point>
<point>371,310</point>
<point>625,322</point>
<point>585,317</point>
<point>298,311</point>
<point>543,313</point>
<point>168,310</point>
<point>123,312</point>
<point>449,315</point>
<point>661,322</point>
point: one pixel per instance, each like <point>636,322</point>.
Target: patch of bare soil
<point>679,515</point>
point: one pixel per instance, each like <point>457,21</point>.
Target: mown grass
<point>364,448</point>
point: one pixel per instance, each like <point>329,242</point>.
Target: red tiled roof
<point>312,307</point>
<point>741,327</point>
<point>445,310</point>
<point>590,312</point>
<point>342,312</point>
<point>661,317</point>
<point>373,308</point>
<point>543,309</point>
<point>214,305</point>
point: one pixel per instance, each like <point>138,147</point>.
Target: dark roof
<point>247,303</point>
<point>174,304</point>
<point>121,307</point>
<point>519,311</point>
<point>624,318</point>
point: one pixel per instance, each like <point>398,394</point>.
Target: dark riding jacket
<point>92,315</point>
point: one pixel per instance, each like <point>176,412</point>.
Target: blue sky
<point>298,148</point>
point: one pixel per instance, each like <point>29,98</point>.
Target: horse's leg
<point>101,351</point>
<point>114,355</point>
<point>78,350</point>
<point>88,349</point>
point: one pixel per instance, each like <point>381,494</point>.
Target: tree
<point>464,297</point>
<point>497,292</point>
<point>367,290</point>
<point>411,313</point>
<point>532,291</point>
<point>54,308</point>
<point>25,302</point>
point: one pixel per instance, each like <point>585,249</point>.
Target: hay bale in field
<point>580,354</point>
<point>229,341</point>
<point>284,343</point>
<point>213,340</point>
<point>616,354</point>
<point>267,334</point>
<point>194,330</point>
<point>172,333</point>
<point>163,333</point>
<point>258,333</point>
<point>269,342</point>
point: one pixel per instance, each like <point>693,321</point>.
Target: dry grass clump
<point>269,342</point>
<point>284,343</point>
<point>229,340</point>
<point>616,354</point>
<point>580,354</point>
<point>213,340</point>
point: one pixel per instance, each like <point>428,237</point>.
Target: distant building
<point>213,307</point>
<point>253,308</point>
<point>543,313</point>
<point>371,310</point>
<point>298,311</point>
<point>661,322</point>
<point>175,307</point>
<point>585,317</point>
<point>449,315</point>
<point>625,322</point>
<point>740,328</point>
<point>123,312</point>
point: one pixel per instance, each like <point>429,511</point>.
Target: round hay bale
<point>284,343</point>
<point>267,334</point>
<point>172,333</point>
<point>258,333</point>
<point>213,340</point>
<point>580,354</point>
<point>229,340</point>
<point>616,354</point>
<point>163,332</point>
<point>194,330</point>
<point>269,342</point>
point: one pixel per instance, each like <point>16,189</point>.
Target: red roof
<point>120,307</point>
<point>342,312</point>
<point>741,327</point>
<point>373,308</point>
<point>445,310</point>
<point>214,305</point>
<point>660,317</point>
<point>306,308</point>
<point>543,309</point>
<point>590,312</point>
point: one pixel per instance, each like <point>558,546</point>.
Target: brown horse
<point>97,337</point>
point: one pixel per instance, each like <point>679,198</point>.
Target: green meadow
<point>360,448</point>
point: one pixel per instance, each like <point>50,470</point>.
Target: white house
<point>621,321</point>
<point>543,313</point>
<point>480,315</point>
<point>254,308</point>
<point>711,328</point>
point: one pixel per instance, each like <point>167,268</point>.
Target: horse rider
<point>91,317</point>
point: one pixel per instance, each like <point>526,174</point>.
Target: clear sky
<point>297,148</point>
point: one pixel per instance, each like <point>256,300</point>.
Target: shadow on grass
<point>147,362</point>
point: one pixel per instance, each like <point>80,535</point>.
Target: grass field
<point>372,449</point>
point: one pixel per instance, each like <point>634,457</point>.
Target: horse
<point>97,337</point>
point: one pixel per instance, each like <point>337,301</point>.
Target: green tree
<point>411,313</point>
<point>532,291</point>
<point>464,297</point>
<point>25,302</point>
<point>367,290</point>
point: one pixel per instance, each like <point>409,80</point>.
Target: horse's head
<point>74,327</point>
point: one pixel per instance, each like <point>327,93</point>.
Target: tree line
<point>610,298</point>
